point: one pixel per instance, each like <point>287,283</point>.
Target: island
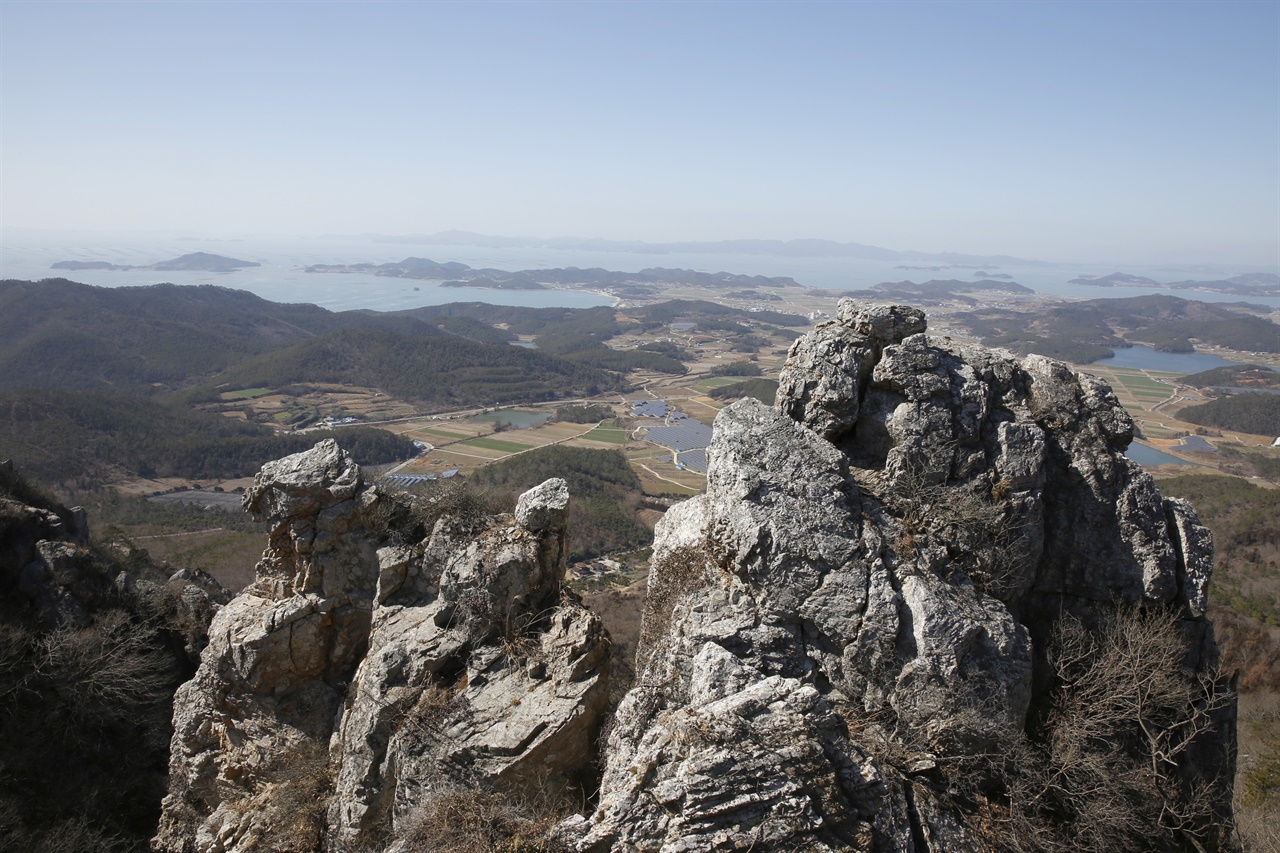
<point>203,262</point>
<point>935,292</point>
<point>195,261</point>
<point>1248,284</point>
<point>644,283</point>
<point>88,265</point>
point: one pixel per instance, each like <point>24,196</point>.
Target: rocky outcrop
<point>859,637</point>
<point>50,570</point>
<point>390,651</point>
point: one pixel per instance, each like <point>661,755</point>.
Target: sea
<point>281,276</point>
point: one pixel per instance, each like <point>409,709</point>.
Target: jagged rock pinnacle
<point>391,650</point>
<point>865,598</point>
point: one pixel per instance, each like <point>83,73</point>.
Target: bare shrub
<point>83,734</point>
<point>115,664</point>
<point>1109,768</point>
<point>521,638</point>
<point>300,783</point>
<point>437,707</point>
<point>980,533</point>
<point>73,835</point>
<point>408,515</point>
<point>1257,800</point>
<point>678,573</point>
<point>286,801</point>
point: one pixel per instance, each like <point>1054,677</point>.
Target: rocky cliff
<point>391,652</point>
<point>94,639</point>
<point>925,603</point>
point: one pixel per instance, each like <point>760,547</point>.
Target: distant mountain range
<point>195,261</point>
<point>781,248</point>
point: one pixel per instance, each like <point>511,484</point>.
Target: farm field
<point>1153,399</point>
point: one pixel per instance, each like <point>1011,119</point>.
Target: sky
<point>1135,131</point>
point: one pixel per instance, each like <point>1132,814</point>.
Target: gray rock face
<point>864,597</point>
<point>826,374</point>
<point>361,674</point>
<point>45,555</point>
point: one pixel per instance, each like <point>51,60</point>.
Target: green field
<point>717,381</point>
<point>613,436</point>
<point>1142,385</point>
<point>245,393</point>
<point>444,433</point>
<point>495,444</point>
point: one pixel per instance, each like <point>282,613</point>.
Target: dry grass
<point>478,821</point>
<point>673,577</point>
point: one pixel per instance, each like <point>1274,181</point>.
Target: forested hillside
<point>1235,376</point>
<point>1087,331</point>
<point>1245,606</point>
<point>59,334</point>
<point>438,370</point>
<point>764,390</point>
<point>1258,413</point>
<point>143,340</point>
<point>82,439</point>
<point>605,494</point>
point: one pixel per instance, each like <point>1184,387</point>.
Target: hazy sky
<point>1075,131</point>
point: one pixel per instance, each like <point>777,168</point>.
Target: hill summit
<point>925,603</point>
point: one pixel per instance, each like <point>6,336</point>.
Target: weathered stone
<point>544,507</point>
<point>1194,545</point>
<point>746,759</point>
<point>825,377</point>
<point>863,594</point>
<point>409,669</point>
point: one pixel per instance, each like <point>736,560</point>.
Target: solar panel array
<point>694,460</point>
<point>410,479</point>
<point>690,436</point>
<point>649,409</point>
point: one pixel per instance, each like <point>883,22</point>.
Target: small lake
<point>518,418</point>
<point>1149,457</point>
<point>1145,358</point>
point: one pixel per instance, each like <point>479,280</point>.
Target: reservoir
<point>518,418</point>
<point>1149,457</point>
<point>1182,363</point>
